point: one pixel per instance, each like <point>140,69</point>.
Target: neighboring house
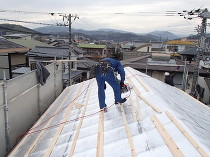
<point>188,54</point>
<point>93,51</point>
<point>175,46</point>
<point>85,67</point>
<point>12,56</point>
<point>156,65</point>
<point>29,43</point>
<point>18,36</point>
<point>20,71</point>
<point>52,53</point>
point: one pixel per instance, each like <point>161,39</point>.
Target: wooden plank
<point>132,109</point>
<point>139,108</point>
<point>143,85</point>
<point>187,135</point>
<point>59,130</point>
<point>23,140</point>
<point>140,96</point>
<point>38,137</point>
<point>71,152</point>
<point>133,151</point>
<point>100,141</point>
<point>167,138</point>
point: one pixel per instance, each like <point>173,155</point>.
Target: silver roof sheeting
<point>73,125</point>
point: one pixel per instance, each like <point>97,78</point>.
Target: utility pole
<point>69,63</point>
<point>201,47</point>
<point>71,48</point>
<point>200,50</point>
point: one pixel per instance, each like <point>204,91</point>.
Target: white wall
<point>25,97</point>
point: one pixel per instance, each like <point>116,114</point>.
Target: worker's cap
<point>166,73</point>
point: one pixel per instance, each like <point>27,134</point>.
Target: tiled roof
<point>157,120</point>
<point>141,63</point>
<point>30,43</point>
<point>6,44</point>
<point>88,64</point>
<point>52,52</point>
<point>191,51</point>
<point>22,70</point>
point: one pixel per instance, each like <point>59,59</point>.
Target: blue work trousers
<point>112,81</point>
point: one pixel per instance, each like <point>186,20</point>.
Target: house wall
<point>27,100</point>
<point>4,65</point>
<point>203,84</point>
<point>18,58</point>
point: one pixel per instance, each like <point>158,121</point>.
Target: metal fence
<point>23,100</point>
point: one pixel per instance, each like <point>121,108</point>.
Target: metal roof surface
<point>157,120</point>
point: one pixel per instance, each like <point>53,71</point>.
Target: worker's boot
<point>122,101</point>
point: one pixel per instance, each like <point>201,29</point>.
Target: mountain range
<point>110,34</point>
<point>100,34</point>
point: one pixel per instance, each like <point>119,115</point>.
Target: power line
<point>28,22</point>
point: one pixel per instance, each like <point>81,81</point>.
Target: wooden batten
<point>187,135</point>
<point>133,151</point>
<point>167,138</point>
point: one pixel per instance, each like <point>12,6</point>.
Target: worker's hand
<point>122,84</point>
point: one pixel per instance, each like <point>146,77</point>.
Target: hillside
<point>101,34</point>
<point>16,29</point>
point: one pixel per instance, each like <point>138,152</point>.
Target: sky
<point>138,16</point>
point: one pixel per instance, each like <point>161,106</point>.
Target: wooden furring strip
<point>140,96</point>
<point>187,135</point>
<point>59,130</point>
<point>139,108</point>
<point>71,151</point>
<point>167,138</point>
<point>100,142</point>
<point>143,85</point>
<point>38,137</point>
<point>133,151</point>
<point>132,108</point>
<point>23,140</point>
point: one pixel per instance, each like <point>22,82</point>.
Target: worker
<point>106,69</point>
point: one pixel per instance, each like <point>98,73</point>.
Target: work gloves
<point>122,85</point>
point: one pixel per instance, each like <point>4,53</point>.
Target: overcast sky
<point>139,16</point>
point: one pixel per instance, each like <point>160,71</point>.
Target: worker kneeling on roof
<point>106,69</point>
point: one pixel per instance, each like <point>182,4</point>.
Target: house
<point>188,54</point>
<point>157,120</point>
<point>79,70</point>
<point>12,56</point>
<point>93,51</point>
<point>175,46</point>
<point>156,65</point>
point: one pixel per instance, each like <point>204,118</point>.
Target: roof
<point>190,51</point>
<point>22,70</point>
<point>85,65</point>
<point>141,63</point>
<point>179,42</point>
<point>8,46</point>
<point>156,120</point>
<point>59,52</point>
<point>30,43</point>
<point>93,46</point>
<point>17,35</point>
